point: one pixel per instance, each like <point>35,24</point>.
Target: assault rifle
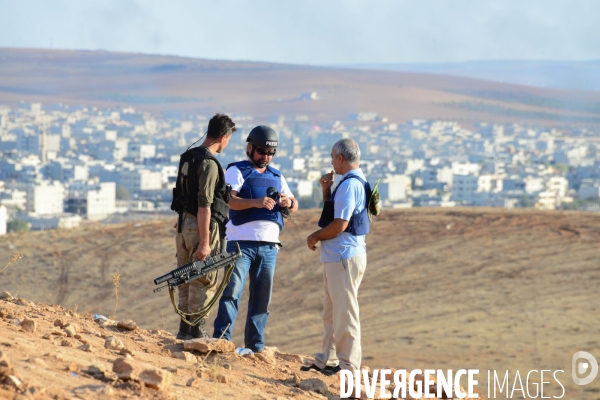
<point>198,269</point>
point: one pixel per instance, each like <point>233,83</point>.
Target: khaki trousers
<point>341,342</point>
<point>196,294</point>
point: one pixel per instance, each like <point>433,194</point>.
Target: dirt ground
<point>444,289</point>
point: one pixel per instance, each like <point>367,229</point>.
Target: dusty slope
<point>49,363</point>
<point>158,83</point>
<point>487,289</point>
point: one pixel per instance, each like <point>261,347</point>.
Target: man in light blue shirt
<point>344,223</point>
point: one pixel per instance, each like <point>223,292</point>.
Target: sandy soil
<point>463,288</point>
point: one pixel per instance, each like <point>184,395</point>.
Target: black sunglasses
<point>264,152</point>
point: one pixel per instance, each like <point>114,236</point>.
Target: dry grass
<point>16,257</point>
<point>116,284</point>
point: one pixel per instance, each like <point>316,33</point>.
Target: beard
<point>259,164</point>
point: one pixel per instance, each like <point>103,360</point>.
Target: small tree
<point>122,193</point>
<point>525,201</point>
<point>17,225</point>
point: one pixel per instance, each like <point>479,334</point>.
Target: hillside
<point>462,288</point>
<point>577,75</point>
<point>166,83</point>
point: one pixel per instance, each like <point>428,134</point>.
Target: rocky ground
<point>456,288</point>
<point>50,352</point>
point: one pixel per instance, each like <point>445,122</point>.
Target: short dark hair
<point>219,125</point>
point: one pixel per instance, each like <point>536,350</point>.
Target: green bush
<point>122,193</point>
<point>17,225</point>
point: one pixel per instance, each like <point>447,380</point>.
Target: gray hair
<point>348,148</point>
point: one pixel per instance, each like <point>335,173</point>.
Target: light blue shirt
<point>350,199</point>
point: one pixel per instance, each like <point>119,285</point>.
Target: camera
<point>274,194</point>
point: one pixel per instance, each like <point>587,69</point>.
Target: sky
<point>316,32</point>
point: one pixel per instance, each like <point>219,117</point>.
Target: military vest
<point>185,193</point>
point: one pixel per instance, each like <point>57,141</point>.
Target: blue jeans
<point>258,262</point>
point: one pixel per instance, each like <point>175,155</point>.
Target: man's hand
<point>284,201</point>
<point>311,242</point>
<point>265,202</point>
<point>202,251</point>
<point>326,181</point>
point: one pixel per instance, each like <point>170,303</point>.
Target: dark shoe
<point>184,331</point>
<point>199,331</point>
<point>328,371</point>
<point>314,366</point>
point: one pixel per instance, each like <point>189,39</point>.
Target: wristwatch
<point>293,203</point>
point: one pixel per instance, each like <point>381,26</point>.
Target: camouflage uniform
<point>195,295</point>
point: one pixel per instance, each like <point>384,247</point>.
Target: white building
<point>3,220</point>
<point>465,168</point>
<point>13,198</point>
<point>444,175</point>
<point>558,185</point>
<point>302,188</point>
<point>141,151</point>
<point>534,184</point>
<point>93,201</point>
<point>393,188</point>
<point>137,181</point>
<point>414,165</point>
<point>547,200</point>
<point>61,170</point>
<point>486,183</point>
<point>60,221</point>
<point>309,96</point>
<point>45,198</point>
<point>299,164</point>
<point>169,171</point>
<point>121,147</point>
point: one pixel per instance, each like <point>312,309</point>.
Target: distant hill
<point>570,75</point>
<point>164,83</point>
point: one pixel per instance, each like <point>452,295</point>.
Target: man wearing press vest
<point>260,198</point>
<point>344,223</point>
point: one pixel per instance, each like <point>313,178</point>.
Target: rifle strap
<point>205,310</point>
<point>180,221</point>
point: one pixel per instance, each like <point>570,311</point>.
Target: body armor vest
<point>255,186</point>
<point>359,224</point>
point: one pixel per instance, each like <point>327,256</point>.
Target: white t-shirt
<point>258,231</point>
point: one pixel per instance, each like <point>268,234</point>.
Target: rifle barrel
<point>163,278</point>
<point>185,269</point>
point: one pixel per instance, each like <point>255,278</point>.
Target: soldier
<point>260,197</point>
<point>201,199</point>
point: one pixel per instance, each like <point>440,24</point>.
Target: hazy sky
<point>312,31</point>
